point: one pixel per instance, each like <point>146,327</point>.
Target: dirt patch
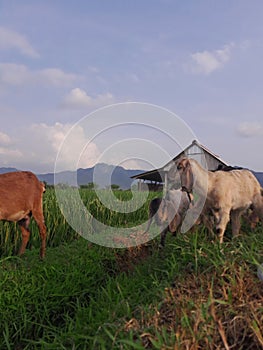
<point>134,239</point>
<point>128,258</point>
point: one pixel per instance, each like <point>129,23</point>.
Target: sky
<point>62,61</point>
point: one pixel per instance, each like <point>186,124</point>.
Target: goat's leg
<point>39,218</point>
<point>153,209</point>
<point>222,221</point>
<point>163,236</point>
<point>174,224</point>
<point>148,224</point>
<point>24,226</point>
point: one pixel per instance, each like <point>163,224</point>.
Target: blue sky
<point>61,60</point>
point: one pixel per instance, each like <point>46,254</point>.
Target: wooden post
<point>165,183</point>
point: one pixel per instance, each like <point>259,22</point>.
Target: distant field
<point>193,294</point>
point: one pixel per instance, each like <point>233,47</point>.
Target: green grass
<point>59,231</point>
<point>192,294</point>
<point>88,297</point>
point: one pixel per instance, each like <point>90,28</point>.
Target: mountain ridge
<point>105,176</point>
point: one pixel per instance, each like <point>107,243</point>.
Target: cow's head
<point>186,174</point>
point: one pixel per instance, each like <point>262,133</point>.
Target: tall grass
<point>194,294</point>
<point>58,229</point>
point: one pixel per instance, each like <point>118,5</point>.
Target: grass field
<point>193,294</point>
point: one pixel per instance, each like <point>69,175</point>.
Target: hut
<point>157,179</point>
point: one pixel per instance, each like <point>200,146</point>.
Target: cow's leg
<point>258,206</point>
<point>222,218</point>
<point>253,219</point>
<point>163,236</point>
<point>208,222</point>
<point>236,222</point>
<point>24,226</point>
<point>39,218</point>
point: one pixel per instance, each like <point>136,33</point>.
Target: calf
<point>20,198</point>
<point>169,212</point>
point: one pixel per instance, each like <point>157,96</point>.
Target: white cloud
<point>19,74</point>
<point>12,40</point>
<point>78,98</point>
<point>132,164</point>
<point>208,61</point>
<point>36,148</point>
<point>250,129</point>
<point>76,150</point>
<point>56,76</point>
<point>4,139</point>
<point>9,154</point>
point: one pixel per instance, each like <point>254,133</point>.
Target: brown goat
<point>20,198</point>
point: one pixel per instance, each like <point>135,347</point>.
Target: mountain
<point>259,176</point>
<point>105,175</point>
<point>7,170</point>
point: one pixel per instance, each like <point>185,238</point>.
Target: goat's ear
<point>183,164</point>
<point>187,163</point>
<point>180,164</point>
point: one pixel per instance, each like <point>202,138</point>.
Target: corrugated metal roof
<point>157,175</point>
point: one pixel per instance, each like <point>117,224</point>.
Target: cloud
<point>19,74</point>
<point>207,62</point>
<point>76,150</point>
<point>12,40</point>
<point>250,129</point>
<point>36,148</point>
<point>9,156</point>
<point>8,151</point>
<point>4,139</point>
<point>78,98</point>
